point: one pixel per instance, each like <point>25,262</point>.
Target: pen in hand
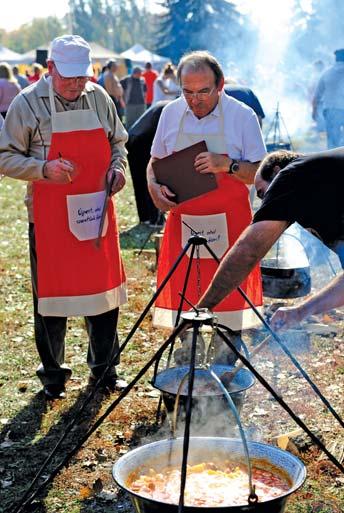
<point>68,174</point>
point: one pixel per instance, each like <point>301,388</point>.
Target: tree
<point>116,24</point>
<point>187,25</point>
<point>33,35</point>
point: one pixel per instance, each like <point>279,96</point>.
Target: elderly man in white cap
<point>63,136</point>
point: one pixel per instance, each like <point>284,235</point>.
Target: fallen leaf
<point>85,492</point>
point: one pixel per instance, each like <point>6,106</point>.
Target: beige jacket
<point>26,134</point>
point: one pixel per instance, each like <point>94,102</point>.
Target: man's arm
<point>15,137</point>
<point>332,296</point>
<point>207,162</point>
<point>248,250</point>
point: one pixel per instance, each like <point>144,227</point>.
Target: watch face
<point>234,166</point>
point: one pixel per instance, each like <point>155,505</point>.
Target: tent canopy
<point>7,55</point>
<point>139,55</point>
<point>98,54</point>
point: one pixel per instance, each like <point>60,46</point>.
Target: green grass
<point>30,428</point>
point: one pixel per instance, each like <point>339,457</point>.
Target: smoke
<point>282,71</point>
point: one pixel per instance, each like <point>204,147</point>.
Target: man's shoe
<point>52,392</point>
<point>110,383</point>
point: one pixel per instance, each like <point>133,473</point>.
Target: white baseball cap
<point>71,55</point>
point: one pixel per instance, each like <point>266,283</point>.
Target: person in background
<point>128,65</point>
<point>134,88</point>
<point>293,187</point>
<point>166,86</point>
<point>331,296</point>
<point>141,135</point>
<point>37,73</point>
<point>100,80</point>
<point>9,87</point>
<point>329,97</point>
<point>149,75</point>
<point>246,95</point>
<point>235,147</point>
<point>113,87</point>
<point>21,79</point>
<point>318,114</point>
<point>62,135</point>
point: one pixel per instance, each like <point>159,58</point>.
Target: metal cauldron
<point>164,453</point>
<point>208,399</point>
<point>285,269</point>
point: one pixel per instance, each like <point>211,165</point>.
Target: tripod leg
<point>282,403</point>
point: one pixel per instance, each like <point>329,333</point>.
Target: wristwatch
<point>234,167</point>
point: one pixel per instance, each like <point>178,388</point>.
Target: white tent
<point>101,54</point>
<point>7,55</point>
<point>98,54</point>
<point>139,55</point>
<point>29,57</point>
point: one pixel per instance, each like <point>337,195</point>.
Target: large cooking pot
<point>285,268</point>
<point>207,396</point>
<point>161,454</point>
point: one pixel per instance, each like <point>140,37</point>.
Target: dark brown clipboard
<point>177,171</point>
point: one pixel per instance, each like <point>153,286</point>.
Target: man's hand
<point>59,171</point>
<point>285,318</point>
<point>119,180</point>
<point>162,196</point>
<point>207,162</point>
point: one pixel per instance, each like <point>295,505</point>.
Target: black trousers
<point>138,159</point>
<point>50,336</point>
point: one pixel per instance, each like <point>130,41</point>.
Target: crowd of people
<point>66,136</point>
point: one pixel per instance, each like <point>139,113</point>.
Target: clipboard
<point>177,171</point>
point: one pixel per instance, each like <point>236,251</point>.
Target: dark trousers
<point>119,108</point>
<point>138,159</point>
<point>50,336</point>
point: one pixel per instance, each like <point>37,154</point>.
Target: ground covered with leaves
<point>31,427</point>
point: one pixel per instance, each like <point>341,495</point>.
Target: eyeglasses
<point>200,96</point>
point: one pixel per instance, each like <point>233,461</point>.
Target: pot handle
<point>252,498</point>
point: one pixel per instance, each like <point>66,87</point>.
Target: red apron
<point>74,276</point>
<point>220,216</point>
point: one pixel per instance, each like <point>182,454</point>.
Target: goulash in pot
<point>209,484</point>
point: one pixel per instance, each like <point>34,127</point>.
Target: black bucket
<point>208,401</point>
<point>285,283</point>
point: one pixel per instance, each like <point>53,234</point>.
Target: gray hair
<point>200,60</point>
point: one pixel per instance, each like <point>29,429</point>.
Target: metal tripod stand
<point>275,127</point>
<point>193,242</point>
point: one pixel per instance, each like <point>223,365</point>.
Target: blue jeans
<point>334,120</point>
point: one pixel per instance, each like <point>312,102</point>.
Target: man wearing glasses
<point>235,147</point>
<point>64,138</point>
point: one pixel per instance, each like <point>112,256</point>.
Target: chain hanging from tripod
<point>198,273</point>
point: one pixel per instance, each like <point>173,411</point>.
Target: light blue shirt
<point>330,88</point>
